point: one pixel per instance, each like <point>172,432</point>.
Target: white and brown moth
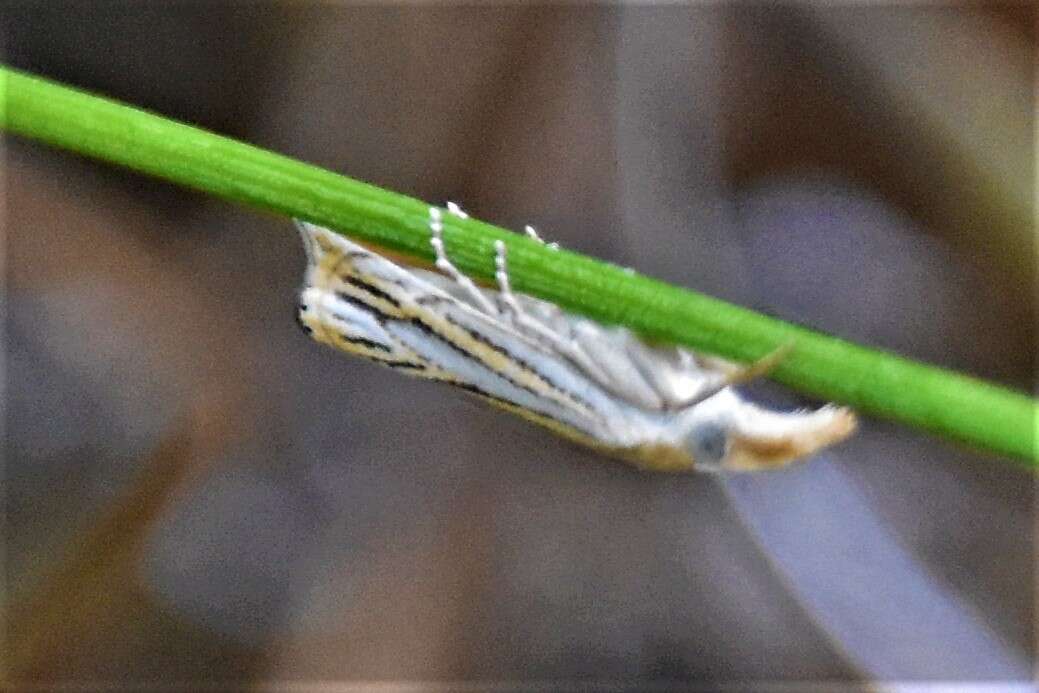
<point>662,408</point>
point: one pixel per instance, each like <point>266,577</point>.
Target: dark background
<point>195,493</point>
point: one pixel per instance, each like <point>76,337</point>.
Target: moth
<point>660,407</point>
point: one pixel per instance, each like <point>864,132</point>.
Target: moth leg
<point>501,274</point>
<point>533,235</point>
<point>453,208</point>
<point>741,374</point>
<point>436,228</point>
<point>532,327</point>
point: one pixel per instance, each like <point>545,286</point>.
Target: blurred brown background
<point>195,493</point>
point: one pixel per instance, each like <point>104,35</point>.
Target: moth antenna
<point>764,365</point>
<point>436,229</point>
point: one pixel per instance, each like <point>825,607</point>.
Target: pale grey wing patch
<point>680,377</point>
<point>646,376</point>
<point>610,348</point>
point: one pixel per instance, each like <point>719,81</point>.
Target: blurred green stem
<point>872,381</point>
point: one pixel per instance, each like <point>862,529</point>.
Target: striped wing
<point>648,377</point>
<point>362,303</point>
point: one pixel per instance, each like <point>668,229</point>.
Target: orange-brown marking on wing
<point>758,452</point>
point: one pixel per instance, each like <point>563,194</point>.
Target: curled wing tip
<point>808,434</point>
<point>843,425</point>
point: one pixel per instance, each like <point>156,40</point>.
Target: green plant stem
<point>880,383</point>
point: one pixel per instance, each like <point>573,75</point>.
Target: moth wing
<point>676,376</point>
<point>367,305</point>
<point>646,376</point>
<point>425,320</point>
<point>651,377</point>
<point>331,312</point>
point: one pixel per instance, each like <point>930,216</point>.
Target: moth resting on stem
<point>662,408</point>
